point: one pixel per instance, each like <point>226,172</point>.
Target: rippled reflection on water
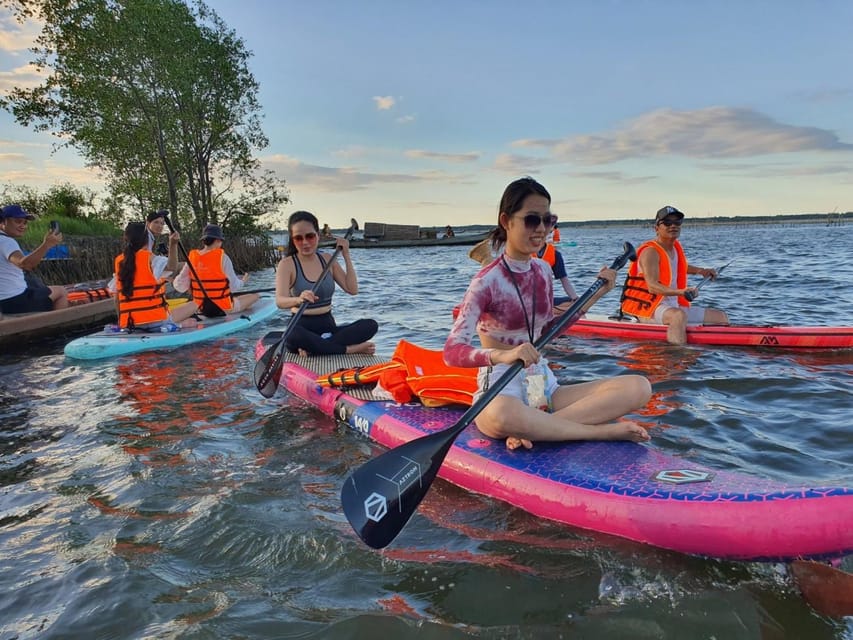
<point>159,495</point>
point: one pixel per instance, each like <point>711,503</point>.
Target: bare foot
<point>302,353</point>
<point>513,443</point>
<point>623,431</point>
<point>367,348</point>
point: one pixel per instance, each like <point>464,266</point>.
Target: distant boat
<point>377,243</point>
<point>378,235</point>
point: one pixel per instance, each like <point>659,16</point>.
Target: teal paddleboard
<point>108,344</point>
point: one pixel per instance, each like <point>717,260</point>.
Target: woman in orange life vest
<point>317,332</point>
<point>218,278</point>
<point>139,281</point>
<point>554,258</point>
<point>657,281</point>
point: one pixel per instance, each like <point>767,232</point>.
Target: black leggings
<point>308,335</point>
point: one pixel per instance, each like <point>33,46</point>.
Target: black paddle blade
<point>381,495</point>
<point>268,370</point>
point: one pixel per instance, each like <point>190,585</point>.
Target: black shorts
<point>35,299</point>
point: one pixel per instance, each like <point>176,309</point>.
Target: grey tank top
<point>324,291</point>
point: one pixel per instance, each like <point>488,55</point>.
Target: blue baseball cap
<point>16,211</point>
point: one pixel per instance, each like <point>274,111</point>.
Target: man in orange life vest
<point>656,285</point>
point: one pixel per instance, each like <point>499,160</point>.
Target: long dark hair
<point>512,201</point>
<point>299,216</point>
<point>135,238</point>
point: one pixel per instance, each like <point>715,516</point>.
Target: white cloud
<point>24,77</point>
<point>517,164</point>
<point>405,119</point>
<point>16,37</point>
<point>384,103</point>
<point>714,132</point>
<point>296,172</point>
<point>471,156</point>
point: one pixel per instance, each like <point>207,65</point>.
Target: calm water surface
<point>160,496</point>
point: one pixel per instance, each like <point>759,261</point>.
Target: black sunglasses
<point>672,223</point>
<point>533,220</point>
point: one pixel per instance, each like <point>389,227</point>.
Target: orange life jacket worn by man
<point>656,285</point>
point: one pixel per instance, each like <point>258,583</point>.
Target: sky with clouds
<point>422,112</point>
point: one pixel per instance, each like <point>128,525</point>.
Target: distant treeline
<point>784,219</point>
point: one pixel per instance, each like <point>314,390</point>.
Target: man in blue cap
<point>16,295</point>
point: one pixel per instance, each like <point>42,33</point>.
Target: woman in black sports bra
<point>296,275</point>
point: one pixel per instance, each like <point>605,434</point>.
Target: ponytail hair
<point>135,238</point>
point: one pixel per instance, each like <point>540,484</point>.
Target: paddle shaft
<point>192,270</point>
<point>276,360</point>
<point>381,495</point>
<point>690,297</point>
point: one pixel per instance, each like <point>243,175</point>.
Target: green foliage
<point>37,229</point>
<point>159,97</point>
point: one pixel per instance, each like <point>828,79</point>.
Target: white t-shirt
<point>183,280</point>
<point>12,282</point>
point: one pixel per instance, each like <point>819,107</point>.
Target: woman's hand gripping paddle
<point>268,367</point>
<point>208,307</point>
<point>689,295</point>
<point>383,493</point>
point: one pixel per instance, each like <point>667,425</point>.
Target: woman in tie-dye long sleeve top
<point>508,304</point>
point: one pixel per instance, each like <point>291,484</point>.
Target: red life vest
<point>208,266</point>
<point>636,299</point>
<point>148,302</point>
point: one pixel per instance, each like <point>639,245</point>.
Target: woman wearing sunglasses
<point>296,275</point>
<point>508,304</point>
<point>656,286</point>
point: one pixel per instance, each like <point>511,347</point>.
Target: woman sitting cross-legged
<point>296,275</point>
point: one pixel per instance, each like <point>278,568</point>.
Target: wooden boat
<point>89,305</point>
<point>379,243</point>
<point>23,328</point>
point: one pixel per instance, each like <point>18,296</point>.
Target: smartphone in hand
<point>54,225</point>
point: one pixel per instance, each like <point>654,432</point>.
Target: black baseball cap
<point>667,211</point>
<point>162,213</point>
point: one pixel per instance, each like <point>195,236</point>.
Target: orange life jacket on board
<point>413,371</point>
<point>208,266</point>
<point>637,300</point>
<point>148,302</point>
<point>549,256</point>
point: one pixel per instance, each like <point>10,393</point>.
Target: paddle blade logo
<point>683,476</point>
<point>375,507</point>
